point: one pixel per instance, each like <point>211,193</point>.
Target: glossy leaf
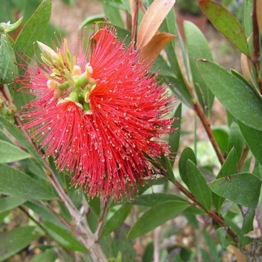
<point>198,185</point>
<point>9,203</point>
<point>8,68</point>
<point>15,240</point>
<point>253,139</point>
<point>10,153</point>
<point>175,135</point>
<point>151,21</point>
<point>64,237</point>
<point>156,216</point>
<point>187,154</point>
<point>243,189</point>
<point>238,98</point>
<point>226,23</point>
<point>116,220</point>
<point>198,48</point>
<point>18,184</point>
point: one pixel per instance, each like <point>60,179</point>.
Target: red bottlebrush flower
<point>99,114</point>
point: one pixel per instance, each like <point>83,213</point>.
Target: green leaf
<point>10,153</point>
<point>156,216</point>
<point>253,139</point>
<point>113,14</point>
<point>197,47</point>
<point>9,203</point>
<point>64,237</point>
<point>235,139</point>
<point>221,136</point>
<point>187,153</point>
<point>19,136</point>
<point>226,23</point>
<point>91,20</point>
<point>8,68</point>
<point>48,255</point>
<point>116,220</point>
<point>175,135</point>
<point>230,165</point>
<point>178,88</point>
<point>43,212</point>
<point>248,220</point>
<point>243,189</point>
<point>198,185</point>
<point>223,237</point>
<point>237,97</point>
<point>168,168</point>
<point>34,29</point>
<point>18,184</point>
<point>154,199</point>
<point>15,240</point>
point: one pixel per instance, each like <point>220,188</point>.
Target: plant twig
<point>213,215</point>
<point>256,44</point>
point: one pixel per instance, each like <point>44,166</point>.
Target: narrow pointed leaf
<point>154,199</point>
<point>253,139</point>
<point>156,216</point>
<point>18,184</point>
<point>243,189</point>
<point>64,237</point>
<point>10,153</point>
<point>226,23</point>
<point>116,220</point>
<point>229,168</point>
<point>34,28</point>
<point>198,185</point>
<point>158,42</point>
<point>187,154</point>
<point>151,21</point>
<point>19,136</point>
<point>175,135</point>
<point>230,165</point>
<point>8,203</point>
<point>15,240</point>
<point>8,68</point>
<point>198,49</point>
<point>236,95</point>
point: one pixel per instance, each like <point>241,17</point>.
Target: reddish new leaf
<point>151,21</point>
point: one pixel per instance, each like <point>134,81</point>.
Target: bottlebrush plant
<point>91,132</point>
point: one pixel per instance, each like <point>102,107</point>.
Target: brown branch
<point>213,215</point>
<point>256,43</point>
<point>242,158</point>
